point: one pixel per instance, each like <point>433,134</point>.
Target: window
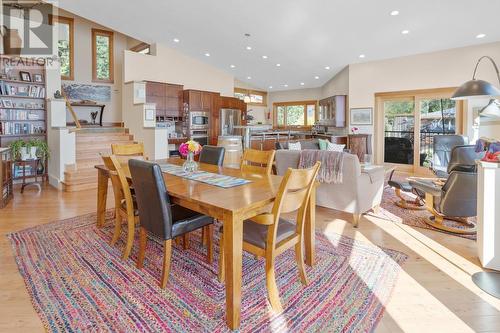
<point>102,56</point>
<point>256,97</point>
<point>65,49</point>
<point>295,114</point>
<point>143,48</point>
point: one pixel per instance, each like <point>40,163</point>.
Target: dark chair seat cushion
<point>186,220</point>
<point>256,234</point>
<point>403,186</point>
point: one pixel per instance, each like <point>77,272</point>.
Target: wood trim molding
<point>106,33</point>
<point>305,103</point>
<point>254,92</point>
<point>71,23</point>
<point>140,47</point>
<point>415,92</point>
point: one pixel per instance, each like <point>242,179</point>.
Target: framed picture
<point>149,114</point>
<point>37,78</point>
<point>361,116</point>
<point>7,103</point>
<point>25,76</point>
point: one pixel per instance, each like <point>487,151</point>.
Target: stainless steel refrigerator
<point>228,119</point>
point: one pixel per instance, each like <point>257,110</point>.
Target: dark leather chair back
<point>443,145</point>
<point>153,201</point>
<point>459,195</point>
<point>463,158</point>
<point>212,155</point>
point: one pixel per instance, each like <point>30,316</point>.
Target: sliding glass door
<point>410,123</point>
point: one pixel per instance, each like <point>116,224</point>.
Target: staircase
<point>90,142</point>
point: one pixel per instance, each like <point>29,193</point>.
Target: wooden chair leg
<point>185,238</point>
<point>299,257</point>
<point>167,255</point>
<point>355,220</point>
<point>210,235</point>
<point>130,238</point>
<point>221,259</point>
<point>143,239</point>
<point>118,227</point>
<point>272,288</point>
<point>203,236</point>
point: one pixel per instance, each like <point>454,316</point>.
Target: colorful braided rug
<point>79,283</point>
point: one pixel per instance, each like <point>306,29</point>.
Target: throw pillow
<point>335,147</point>
<point>323,144</point>
<point>294,146</point>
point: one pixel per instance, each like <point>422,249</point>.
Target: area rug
<point>415,218</point>
<point>77,282</point>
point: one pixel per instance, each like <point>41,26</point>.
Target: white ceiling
<point>303,36</point>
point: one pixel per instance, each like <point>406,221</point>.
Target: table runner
<point>204,176</point>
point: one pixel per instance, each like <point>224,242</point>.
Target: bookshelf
<point>23,110</point>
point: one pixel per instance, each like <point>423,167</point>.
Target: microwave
<point>199,120</point>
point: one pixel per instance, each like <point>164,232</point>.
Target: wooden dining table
<point>231,206</point>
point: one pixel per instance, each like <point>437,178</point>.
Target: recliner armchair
<point>456,199</point>
<point>443,145</point>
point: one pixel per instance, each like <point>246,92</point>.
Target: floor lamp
<point>487,281</point>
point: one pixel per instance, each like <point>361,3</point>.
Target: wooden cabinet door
<point>206,100</point>
<point>195,103</point>
<point>155,89</point>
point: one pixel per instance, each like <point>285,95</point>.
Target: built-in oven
<point>199,120</point>
<point>199,135</point>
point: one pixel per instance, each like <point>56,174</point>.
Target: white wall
<point>449,68</point>
<point>338,85</point>
<point>172,66</point>
<point>83,65</point>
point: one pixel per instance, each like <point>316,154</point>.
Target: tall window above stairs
<point>65,47</point>
<point>102,56</point>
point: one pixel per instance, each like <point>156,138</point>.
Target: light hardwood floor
<point>434,292</point>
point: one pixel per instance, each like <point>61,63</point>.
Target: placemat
<point>204,176</point>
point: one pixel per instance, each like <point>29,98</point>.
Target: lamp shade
<point>476,89</point>
<point>492,110</point>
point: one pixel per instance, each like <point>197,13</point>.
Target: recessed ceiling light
<point>316,77</point>
<point>270,87</point>
<point>395,13</point>
<point>327,67</point>
<point>207,54</point>
<point>285,85</point>
<point>232,66</point>
<point>278,65</point>
<point>249,77</point>
<point>249,48</point>
<point>302,83</point>
<point>264,57</point>
<point>405,32</point>
<point>362,56</point>
<point>176,40</point>
<point>481,36</point>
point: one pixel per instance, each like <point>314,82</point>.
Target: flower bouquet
<point>189,149</point>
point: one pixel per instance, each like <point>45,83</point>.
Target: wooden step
<point>78,187</point>
<point>104,138</point>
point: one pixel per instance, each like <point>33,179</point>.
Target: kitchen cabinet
<point>332,111</point>
<point>166,96</point>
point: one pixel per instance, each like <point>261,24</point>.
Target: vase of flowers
<point>189,149</point>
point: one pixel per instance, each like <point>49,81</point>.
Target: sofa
<point>359,192</point>
<point>305,144</point>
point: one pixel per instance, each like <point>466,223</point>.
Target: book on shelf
<point>19,115</point>
<point>27,90</point>
<point>20,169</point>
<point>20,128</point>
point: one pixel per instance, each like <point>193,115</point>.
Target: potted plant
<point>19,150</point>
<point>42,152</point>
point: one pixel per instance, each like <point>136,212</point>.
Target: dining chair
<point>268,235</point>
<point>257,161</point>
<point>125,204</point>
<point>160,217</point>
<point>129,150</point>
<point>212,155</point>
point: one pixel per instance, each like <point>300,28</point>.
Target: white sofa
<point>359,192</point>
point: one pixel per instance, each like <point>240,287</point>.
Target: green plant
<point>42,148</point>
<point>15,148</point>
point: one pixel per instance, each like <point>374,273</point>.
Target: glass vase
<point>190,165</point>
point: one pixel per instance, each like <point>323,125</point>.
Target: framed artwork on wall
<point>361,116</point>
